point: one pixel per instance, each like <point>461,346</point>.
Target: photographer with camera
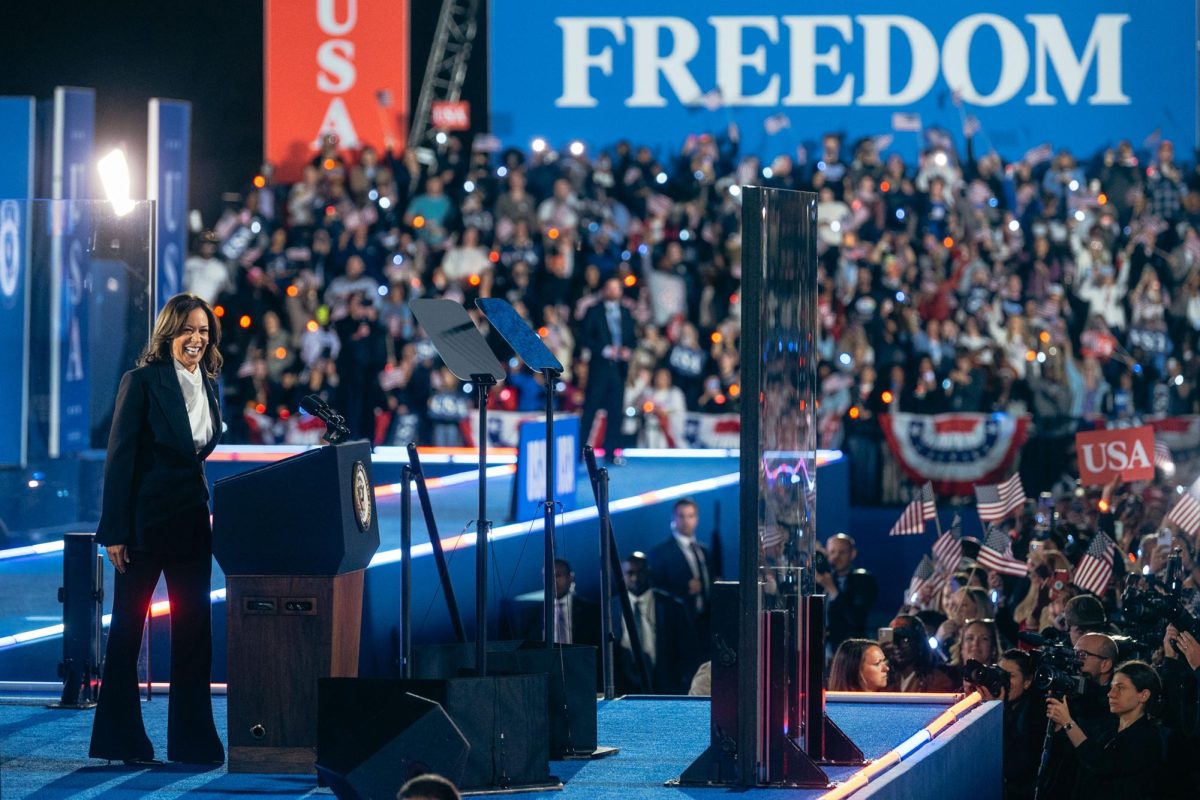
<point>1123,757</point>
<point>1180,673</point>
<point>1080,678</point>
<point>851,592</point>
<point>1024,725</point>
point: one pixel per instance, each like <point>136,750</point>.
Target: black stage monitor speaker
<point>502,719</point>
<point>375,747</point>
<point>571,676</point>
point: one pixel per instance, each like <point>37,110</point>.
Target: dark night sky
<point>206,51</point>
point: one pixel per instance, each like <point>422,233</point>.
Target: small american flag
<point>1037,155</point>
<point>1186,514</point>
<point>1096,567</point>
<point>922,575</point>
<point>948,547</point>
<point>883,142</point>
<point>905,121</point>
<point>997,502</point>
<point>1162,455</point>
<point>710,100</point>
<point>996,554</point>
<point>776,123</point>
<point>916,513</point>
<point>971,125</point>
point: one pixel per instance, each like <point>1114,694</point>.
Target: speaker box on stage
<point>571,682</point>
<point>379,742</point>
<point>500,717</point>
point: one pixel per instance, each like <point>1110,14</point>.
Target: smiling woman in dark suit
<point>154,521</point>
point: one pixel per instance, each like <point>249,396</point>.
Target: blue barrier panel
<point>17,123</point>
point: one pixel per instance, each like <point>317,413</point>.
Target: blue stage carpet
<point>43,754</point>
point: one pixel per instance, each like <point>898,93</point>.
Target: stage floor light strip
<point>905,749</point>
<point>384,454</point>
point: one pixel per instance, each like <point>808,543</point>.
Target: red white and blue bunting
<point>954,451</point>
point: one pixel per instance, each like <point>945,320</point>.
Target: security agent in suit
<point>609,335</point>
<point>576,620</point>
<point>851,592</point>
<point>680,565</point>
<point>154,521</point>
<point>666,633</point>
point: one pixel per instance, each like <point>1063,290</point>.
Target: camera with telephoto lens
<point>1150,604</point>
<point>991,677</point>
<point>1058,671</point>
<point>820,562</point>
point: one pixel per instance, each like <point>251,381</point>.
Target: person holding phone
<point>155,521</point>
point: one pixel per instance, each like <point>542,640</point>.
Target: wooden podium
<point>293,539</point>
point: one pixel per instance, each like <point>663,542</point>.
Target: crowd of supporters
<point>1115,674</point>
<point>1047,286</point>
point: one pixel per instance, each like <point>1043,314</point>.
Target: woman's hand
<point>1057,712</point>
<point>1190,649</point>
<point>1168,648</point>
<point>118,556</point>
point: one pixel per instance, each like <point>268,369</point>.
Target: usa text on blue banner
<point>74,127</point>
<point>168,152</point>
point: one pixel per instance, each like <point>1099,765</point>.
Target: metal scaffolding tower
<point>447,67</point>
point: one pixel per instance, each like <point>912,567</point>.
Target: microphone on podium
<point>335,423</point>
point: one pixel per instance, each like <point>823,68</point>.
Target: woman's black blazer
<point>154,484</point>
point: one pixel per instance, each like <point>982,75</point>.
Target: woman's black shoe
<point>144,763</point>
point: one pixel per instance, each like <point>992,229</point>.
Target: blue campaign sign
<point>531,466</point>
<point>17,123</point>
<point>167,183</point>
<point>1074,74</point>
<point>73,133</point>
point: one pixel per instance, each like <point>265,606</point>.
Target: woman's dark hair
<point>845,671</point>
<point>428,787</point>
<point>1143,677</point>
<point>910,627</point>
<point>169,324</point>
<point>1023,660</point>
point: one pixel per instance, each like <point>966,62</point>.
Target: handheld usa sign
<point>1127,452</point>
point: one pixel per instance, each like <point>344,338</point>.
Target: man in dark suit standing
<point>680,565</point>
<point>666,636</point>
<point>851,592</point>
<point>576,620</point>
<point>608,334</point>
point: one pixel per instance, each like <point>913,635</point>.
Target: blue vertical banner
<point>531,466</point>
<point>17,126</point>
<point>168,153</point>
<point>73,135</point>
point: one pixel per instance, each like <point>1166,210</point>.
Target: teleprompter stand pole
<point>482,526</point>
<point>435,541</point>
<point>609,541</point>
<point>406,572</point>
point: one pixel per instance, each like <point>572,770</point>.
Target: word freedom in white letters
<point>590,45</point>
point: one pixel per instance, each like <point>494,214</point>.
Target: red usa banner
<point>954,451</point>
<point>1103,455</point>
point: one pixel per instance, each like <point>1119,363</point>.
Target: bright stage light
<point>538,145</point>
<point>114,175</point>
